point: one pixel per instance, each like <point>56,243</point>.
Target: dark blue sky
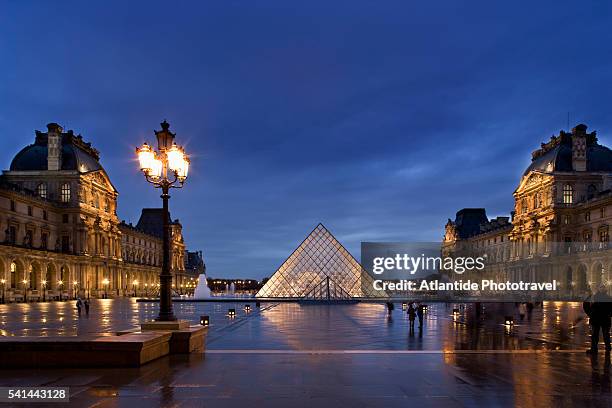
<point>379,119</point>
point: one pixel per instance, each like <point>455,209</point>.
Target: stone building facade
<point>560,226</point>
<point>61,235</point>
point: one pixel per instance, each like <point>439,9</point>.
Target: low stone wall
<point>130,349</point>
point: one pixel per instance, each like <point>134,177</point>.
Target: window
<point>45,214</point>
<point>65,218</point>
<point>65,193</point>
<point>587,236</point>
<point>603,212</point>
<point>13,275</point>
<point>566,219</point>
<point>603,235</point>
<point>568,194</point>
<point>65,244</point>
<point>587,216</point>
<point>30,210</point>
<point>44,238</point>
<point>12,234</point>
<point>41,190</point>
<point>591,191</point>
<point>12,205</point>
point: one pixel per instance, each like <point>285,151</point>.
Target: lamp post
<point>3,282</point>
<point>44,289</point>
<point>134,284</point>
<point>60,284</point>
<point>105,283</point>
<point>166,168</point>
<point>25,290</point>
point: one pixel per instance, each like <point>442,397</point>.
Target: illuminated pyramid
<point>320,268</point>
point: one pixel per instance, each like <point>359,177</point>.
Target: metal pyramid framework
<point>320,268</point>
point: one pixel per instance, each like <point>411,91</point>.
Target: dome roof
<point>76,155</point>
<point>556,155</point>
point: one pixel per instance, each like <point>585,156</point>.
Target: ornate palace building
<point>560,226</point>
<point>61,235</point>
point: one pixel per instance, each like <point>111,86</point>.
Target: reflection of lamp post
<point>105,283</point>
<point>25,290</point>
<point>60,284</point>
<point>44,289</point>
<point>134,284</point>
<point>146,289</point>
<point>3,282</point>
<point>74,288</point>
<point>165,169</point>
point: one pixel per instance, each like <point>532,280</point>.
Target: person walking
<point>87,307</point>
<point>411,316</point>
<point>79,304</point>
<point>420,312</point>
<point>599,310</point>
<point>522,310</point>
<point>390,308</point>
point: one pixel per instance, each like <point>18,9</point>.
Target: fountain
<point>202,291</point>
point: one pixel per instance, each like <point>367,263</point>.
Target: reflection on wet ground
<point>289,354</point>
<point>314,326</point>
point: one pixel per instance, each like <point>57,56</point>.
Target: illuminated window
<point>568,194</point>
<point>603,235</point>
<point>41,190</point>
<point>65,193</point>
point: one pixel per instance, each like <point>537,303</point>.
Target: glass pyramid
<point>320,268</point>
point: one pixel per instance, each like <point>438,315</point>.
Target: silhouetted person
<point>411,316</point>
<point>87,307</point>
<point>599,310</point>
<point>419,312</point>
<point>79,304</point>
<point>390,307</point>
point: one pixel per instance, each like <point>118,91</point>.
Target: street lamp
<point>3,282</point>
<point>25,290</point>
<point>166,168</point>
<point>105,282</point>
<point>44,288</point>
<point>60,284</point>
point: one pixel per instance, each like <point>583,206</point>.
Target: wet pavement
<point>334,355</point>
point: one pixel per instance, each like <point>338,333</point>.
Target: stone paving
<point>296,355</point>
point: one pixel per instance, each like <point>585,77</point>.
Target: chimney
<point>579,147</point>
<point>54,146</point>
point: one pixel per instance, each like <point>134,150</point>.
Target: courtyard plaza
<point>293,354</point>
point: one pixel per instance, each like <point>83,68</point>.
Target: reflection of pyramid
<point>320,268</point>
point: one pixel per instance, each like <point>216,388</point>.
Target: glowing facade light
<point>204,320</point>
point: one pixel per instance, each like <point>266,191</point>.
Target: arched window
<point>41,190</point>
<point>13,275</point>
<point>65,193</point>
<point>591,191</point>
<point>568,194</point>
